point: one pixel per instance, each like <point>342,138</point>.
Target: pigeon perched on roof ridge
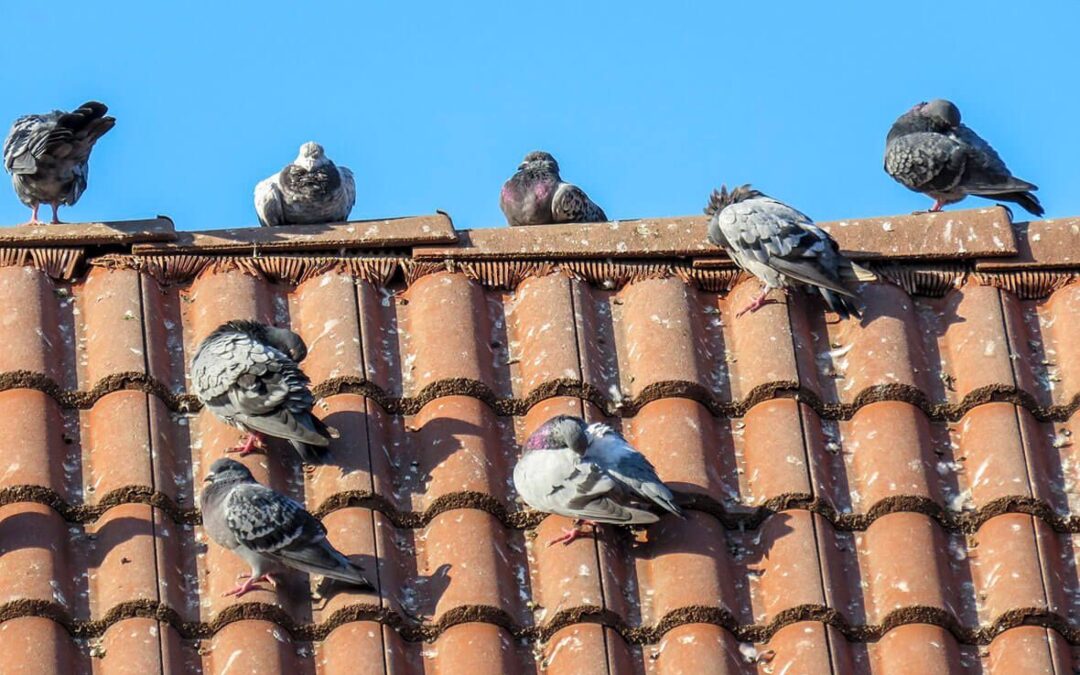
<point>311,190</point>
<point>248,375</point>
<point>589,473</point>
<point>48,155</point>
<point>929,150</point>
<point>267,529</point>
<point>781,247</point>
<point>537,195</point>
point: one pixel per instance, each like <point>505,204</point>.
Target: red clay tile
<point>115,444</point>
<point>475,648</point>
<point>37,560</point>
<point>773,452</point>
<point>1029,649</point>
<point>37,646</point>
<point>973,343</point>
<point>797,648</point>
<point>903,559</point>
<point>43,455</point>
<point>696,648</point>
<point>352,648</point>
<point>32,331</point>
<point>541,345</point>
<point>759,347</point>
<point>1005,566</point>
<point>920,649</point>
<point>110,325</point>
<point>991,450</point>
<point>129,646</point>
<point>1041,244</point>
<point>579,649</point>
<point>324,312</point>
<point>889,452</point>
<point>123,565</point>
<point>780,563</point>
<point>252,647</point>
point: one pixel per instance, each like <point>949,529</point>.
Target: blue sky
<point>647,105</point>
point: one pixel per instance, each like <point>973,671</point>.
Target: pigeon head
<point>721,199</point>
<point>281,339</point>
<point>310,156</point>
<point>227,470</point>
<point>563,431</point>
<point>943,113</point>
<point>539,161</point>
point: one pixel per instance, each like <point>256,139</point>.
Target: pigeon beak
<point>209,477</point>
<point>521,166</point>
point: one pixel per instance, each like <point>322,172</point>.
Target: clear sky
<point>646,105</point>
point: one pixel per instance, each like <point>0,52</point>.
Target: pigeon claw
<point>250,444</point>
<point>244,588</point>
<point>573,533</point>
<point>755,304</point>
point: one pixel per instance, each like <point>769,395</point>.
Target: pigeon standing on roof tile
<point>311,190</point>
<point>247,374</point>
<point>48,155</point>
<point>267,529</point>
<point>588,473</point>
<point>930,151</point>
<point>536,195</point>
<point>781,247</point>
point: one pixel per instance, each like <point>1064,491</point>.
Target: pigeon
<point>588,473</point>
<point>48,155</point>
<point>536,195</point>
<point>246,374</point>
<point>781,247</point>
<point>311,190</point>
<point>268,530</point>
<point>929,151</point>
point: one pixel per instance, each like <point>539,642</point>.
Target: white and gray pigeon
<point>247,374</point>
<point>267,529</point>
<point>928,150</point>
<point>782,247</point>
<point>536,195</point>
<point>48,155</point>
<point>588,473</point>
<point>311,190</point>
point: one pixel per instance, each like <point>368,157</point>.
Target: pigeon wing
<point>780,237</point>
<point>926,161</point>
<point>629,467</point>
<point>268,203</point>
<point>570,204</point>
<point>986,171</point>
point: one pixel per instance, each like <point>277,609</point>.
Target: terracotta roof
<point>895,495</point>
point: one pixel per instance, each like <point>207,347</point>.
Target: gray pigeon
<point>588,473</point>
<point>310,191</point>
<point>781,247</point>
<point>536,195</point>
<point>267,529</point>
<point>246,374</point>
<point>930,151</point>
<point>48,155</point>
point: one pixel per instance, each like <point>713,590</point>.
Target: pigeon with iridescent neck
<point>589,472</point>
<point>537,195</point>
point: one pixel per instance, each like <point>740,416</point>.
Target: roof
<point>884,496</point>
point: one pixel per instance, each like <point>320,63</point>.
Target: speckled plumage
<point>537,195</point>
<point>48,155</point>
<point>247,374</point>
<point>267,529</point>
<point>589,472</point>
<point>311,190</point>
<point>930,151</point>
<point>781,246</point>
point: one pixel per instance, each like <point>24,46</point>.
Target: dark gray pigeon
<point>930,151</point>
<point>48,155</point>
<point>536,195</point>
<point>247,374</point>
<point>588,473</point>
<point>781,247</point>
<point>268,530</point>
<point>310,191</point>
